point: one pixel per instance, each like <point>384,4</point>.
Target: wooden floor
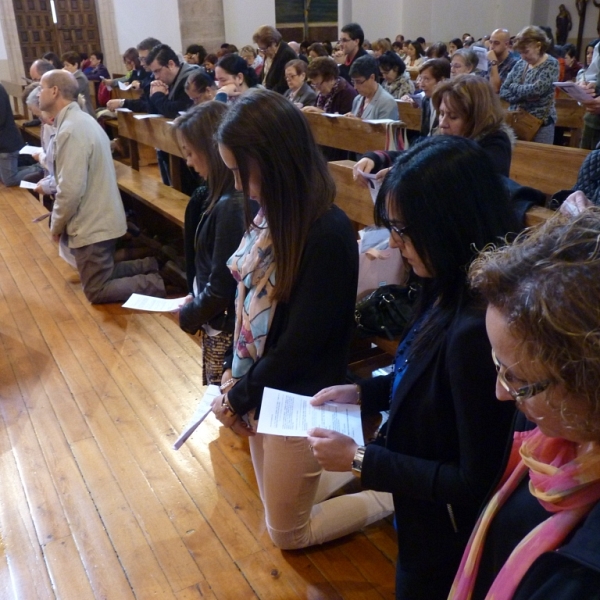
<point>94,503</point>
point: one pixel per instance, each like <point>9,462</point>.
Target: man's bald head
<point>65,82</point>
<point>39,67</point>
<point>500,43</point>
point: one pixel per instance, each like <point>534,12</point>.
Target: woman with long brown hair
<point>297,269</point>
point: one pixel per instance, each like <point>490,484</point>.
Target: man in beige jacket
<point>88,208</point>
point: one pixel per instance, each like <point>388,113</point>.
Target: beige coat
<point>88,205</point>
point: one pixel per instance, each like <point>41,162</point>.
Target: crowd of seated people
<point>272,274</point>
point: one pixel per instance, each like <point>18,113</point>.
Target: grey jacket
<point>382,106</point>
<point>88,205</point>
<point>84,88</point>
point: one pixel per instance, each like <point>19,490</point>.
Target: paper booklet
<point>574,90</point>
<point>202,411</point>
<point>284,413</point>
<point>153,304</point>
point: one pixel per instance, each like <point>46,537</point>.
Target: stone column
<point>202,22</point>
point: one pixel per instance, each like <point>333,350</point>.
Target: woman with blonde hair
<point>467,106</point>
<point>381,46</point>
<point>528,87</point>
<point>538,536</point>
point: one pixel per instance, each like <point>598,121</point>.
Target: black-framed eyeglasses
<point>523,393</point>
<point>396,227</point>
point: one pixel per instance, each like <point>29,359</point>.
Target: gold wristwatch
<point>357,461</point>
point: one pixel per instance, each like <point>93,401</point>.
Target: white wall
<point>438,20</point>
<point>244,17</point>
<point>139,19</point>
<point>4,69</point>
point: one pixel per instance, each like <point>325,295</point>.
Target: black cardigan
<point>275,78</point>
<point>307,344</point>
<point>10,137</point>
<point>217,237</point>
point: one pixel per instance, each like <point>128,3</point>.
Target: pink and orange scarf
<point>565,484</point>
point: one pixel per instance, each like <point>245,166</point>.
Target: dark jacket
<point>570,573</point>
<point>10,136</point>
<point>497,146</point>
<point>341,104</point>
<point>217,237</point>
<point>427,128</point>
<point>344,69</point>
<point>275,78</point>
<point>169,105</point>
<point>307,344</point>
<point>97,73</point>
<point>141,104</point>
<point>441,453</point>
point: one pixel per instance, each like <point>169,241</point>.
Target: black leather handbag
<point>386,311</point>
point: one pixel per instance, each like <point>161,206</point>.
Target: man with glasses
<point>139,104</point>
<point>351,41</point>
<point>500,59</point>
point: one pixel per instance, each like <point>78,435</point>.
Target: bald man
<point>500,58</point>
<point>88,210</point>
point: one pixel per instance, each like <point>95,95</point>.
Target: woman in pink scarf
<point>539,535</point>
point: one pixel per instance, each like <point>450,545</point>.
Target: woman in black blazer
<point>443,444</point>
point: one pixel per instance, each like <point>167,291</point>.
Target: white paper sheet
<point>284,413</point>
<point>202,411</point>
<point>123,110</point>
<point>150,303</point>
<point>146,116</point>
<point>373,183</point>
<point>379,121</point>
<point>124,86</point>
<point>574,90</point>
<point>28,185</point>
<point>65,252</point>
<point>31,150</point>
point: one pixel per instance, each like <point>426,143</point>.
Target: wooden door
<point>36,30</point>
<point>76,27</point>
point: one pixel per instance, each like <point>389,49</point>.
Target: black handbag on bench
<point>386,311</point>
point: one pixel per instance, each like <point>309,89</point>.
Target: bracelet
<point>225,385</point>
<point>225,404</point>
<point>358,394</point>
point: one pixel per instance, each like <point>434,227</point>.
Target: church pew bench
<point>345,133</point>
<point>152,133</point>
<point>15,92</point>
<point>161,198</point>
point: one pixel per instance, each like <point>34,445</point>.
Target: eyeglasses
<point>396,227</point>
<point>356,82</point>
<point>344,40</point>
<point>523,393</point>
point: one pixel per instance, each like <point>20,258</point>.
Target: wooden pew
<point>570,115</point>
<point>15,91</point>
<point>545,167</point>
<point>345,133</point>
<point>166,201</point>
<point>409,115</point>
<point>155,133</point>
